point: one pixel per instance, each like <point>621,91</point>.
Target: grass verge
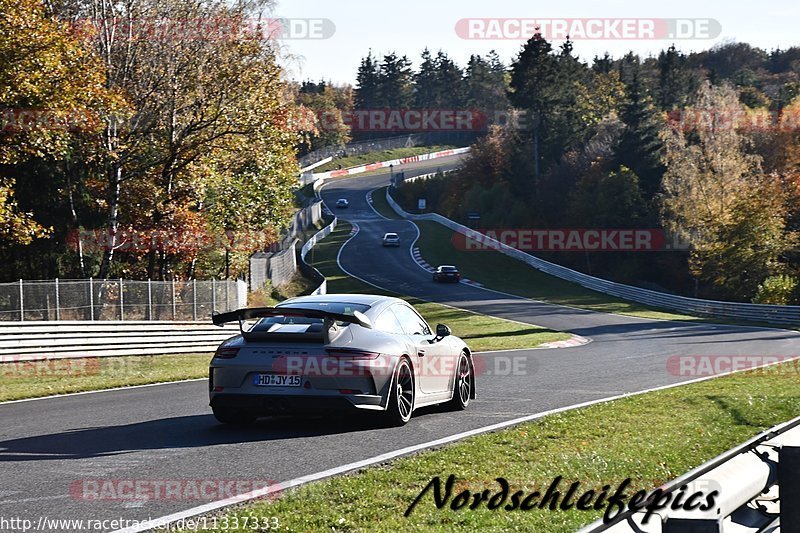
<point>481,332</point>
<point>380,204</point>
<point>19,380</point>
<point>385,155</point>
<point>500,272</point>
<point>651,438</point>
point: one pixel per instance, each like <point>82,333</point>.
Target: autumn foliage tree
<point>50,89</point>
<point>717,197</point>
<point>184,134</point>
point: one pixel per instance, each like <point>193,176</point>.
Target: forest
<point>127,152</point>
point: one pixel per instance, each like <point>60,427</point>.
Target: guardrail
<point>313,178</point>
<point>30,341</point>
<point>388,143</point>
<point>310,270</point>
<point>775,314</point>
<point>748,480</point>
<point>399,178</point>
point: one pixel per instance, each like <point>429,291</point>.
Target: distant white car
<point>342,203</point>
<point>391,239</point>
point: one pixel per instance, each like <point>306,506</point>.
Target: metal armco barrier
<point>309,270</point>
<point>758,485</point>
<point>31,341</point>
<point>775,314</point>
<point>313,178</point>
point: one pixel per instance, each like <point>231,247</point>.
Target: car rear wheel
<point>232,416</point>
<point>401,395</point>
<point>462,388</point>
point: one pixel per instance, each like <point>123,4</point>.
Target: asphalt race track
<point>167,432</point>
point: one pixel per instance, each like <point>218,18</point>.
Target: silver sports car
<point>316,354</point>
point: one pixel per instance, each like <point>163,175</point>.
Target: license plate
<point>277,380</point>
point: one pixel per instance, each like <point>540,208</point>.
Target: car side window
<point>412,323</point>
<point>387,321</point>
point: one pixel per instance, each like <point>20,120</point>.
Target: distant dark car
<point>446,273</point>
<point>342,203</point>
<point>391,239</point>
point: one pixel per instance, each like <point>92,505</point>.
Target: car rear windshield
<point>390,236</point>
<point>273,323</point>
<point>449,269</point>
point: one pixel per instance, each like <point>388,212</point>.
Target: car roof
<point>447,266</point>
<point>391,235</point>
<point>363,299</point>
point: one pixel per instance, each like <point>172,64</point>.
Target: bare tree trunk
<point>115,182</point>
<point>74,216</point>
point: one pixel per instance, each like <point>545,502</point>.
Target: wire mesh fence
<point>117,299</point>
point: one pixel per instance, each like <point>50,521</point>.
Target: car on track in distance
<point>446,273</point>
<point>337,353</point>
<point>391,239</point>
<point>342,203</point>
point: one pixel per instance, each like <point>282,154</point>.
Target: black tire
<point>401,395</point>
<point>463,385</point>
<point>233,417</point>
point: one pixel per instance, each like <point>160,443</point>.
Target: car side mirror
<point>443,331</point>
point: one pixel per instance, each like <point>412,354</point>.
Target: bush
<point>778,290</point>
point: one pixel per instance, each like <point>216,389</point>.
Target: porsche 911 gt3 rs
<point>323,353</point>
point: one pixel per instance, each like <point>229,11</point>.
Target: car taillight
<point>226,353</point>
<point>351,354</point>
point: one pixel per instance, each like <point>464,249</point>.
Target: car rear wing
<point>329,320</point>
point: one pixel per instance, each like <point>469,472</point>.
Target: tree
<point>395,80</point>
<point>450,84</point>
<point>425,82</point>
<point>326,104</point>
<point>486,84</point>
<point>674,80</point>
<point>641,145</point>
<point>535,88</point>
<point>746,249</point>
<point>367,92</point>
<point>715,196</point>
<point>608,200</point>
<point>51,93</point>
<point>193,101</point>
<point>16,227</point>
